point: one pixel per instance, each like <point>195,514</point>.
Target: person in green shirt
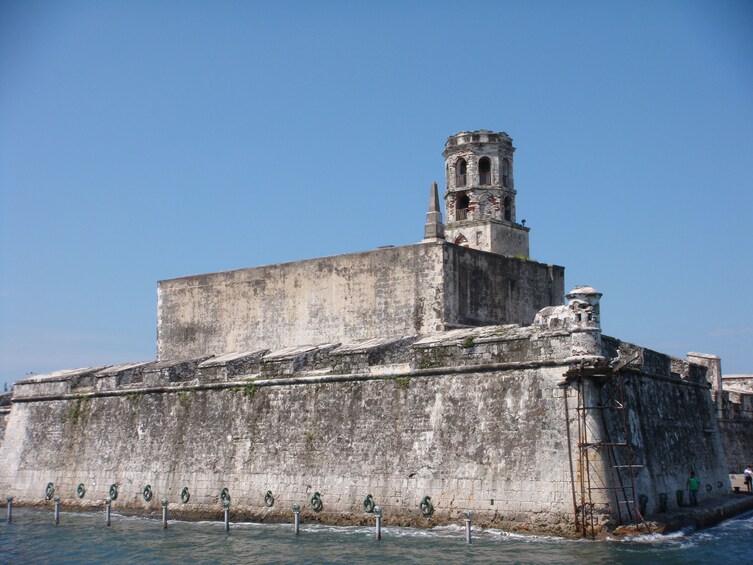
<point>694,484</point>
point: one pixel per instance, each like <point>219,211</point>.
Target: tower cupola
<point>480,193</point>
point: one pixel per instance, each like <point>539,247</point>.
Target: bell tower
<point>480,193</point>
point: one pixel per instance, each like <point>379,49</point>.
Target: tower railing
<point>461,213</point>
<point>485,178</point>
<point>460,180</point>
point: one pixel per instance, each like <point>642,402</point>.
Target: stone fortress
<point>429,379</point>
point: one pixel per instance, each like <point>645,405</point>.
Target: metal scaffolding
<point>602,466</point>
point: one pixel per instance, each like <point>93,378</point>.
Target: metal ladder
<point>595,450</point>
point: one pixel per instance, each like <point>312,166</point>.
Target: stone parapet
<point>485,348</point>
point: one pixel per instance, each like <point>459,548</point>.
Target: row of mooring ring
<point>147,493</point>
<point>315,501</point>
<point>49,491</point>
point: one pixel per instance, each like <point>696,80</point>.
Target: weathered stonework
<point>472,418</point>
<point>480,195</point>
<point>448,369</point>
<point>736,419</point>
<point>418,288</point>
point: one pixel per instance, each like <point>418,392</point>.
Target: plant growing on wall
<point>76,411</point>
<point>309,437</point>
<point>431,357</point>
<point>402,381</point>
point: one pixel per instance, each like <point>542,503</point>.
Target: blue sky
<point>144,140</point>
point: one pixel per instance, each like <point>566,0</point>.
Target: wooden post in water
<point>108,500</point>
<point>226,504</point>
<point>10,509</point>
<point>164,514</point>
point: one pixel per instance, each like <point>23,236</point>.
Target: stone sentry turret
<point>480,193</point>
<point>581,317</point>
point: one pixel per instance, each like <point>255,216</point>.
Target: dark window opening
<point>461,206</point>
<point>484,170</point>
<point>506,173</point>
<point>508,209</point>
<point>461,170</point>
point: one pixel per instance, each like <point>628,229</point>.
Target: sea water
<point>32,537</point>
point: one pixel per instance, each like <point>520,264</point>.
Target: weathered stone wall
<point>736,422</point>
<point>473,418</point>
<point>387,418</point>
<point>489,235</point>
<point>390,291</point>
<point>405,290</point>
<point>672,424</point>
<point>738,382</point>
<point>484,288</point>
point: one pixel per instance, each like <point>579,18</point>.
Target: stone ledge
<point>697,517</point>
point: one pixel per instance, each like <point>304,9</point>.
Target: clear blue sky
<point>143,140</point>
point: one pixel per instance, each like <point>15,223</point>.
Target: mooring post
<point>226,504</point>
<point>164,514</point>
<point>378,514</point>
<point>57,510</point>
<point>467,515</point>
<point>10,509</point>
<point>108,500</point>
<point>296,515</point>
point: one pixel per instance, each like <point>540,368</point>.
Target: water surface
<point>83,538</point>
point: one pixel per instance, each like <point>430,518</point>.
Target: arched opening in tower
<point>461,170</point>
<point>461,206</point>
<point>508,209</point>
<point>484,170</point>
<point>505,173</point>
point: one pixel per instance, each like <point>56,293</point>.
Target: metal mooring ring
<point>113,491</point>
<point>80,490</point>
<point>185,496</point>
<point>426,507</point>
<point>269,500</point>
<point>147,493</point>
<point>316,502</point>
<point>368,504</point>
<point>225,495</point>
<point>49,491</point>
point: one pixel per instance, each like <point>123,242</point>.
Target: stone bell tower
<point>480,194</point>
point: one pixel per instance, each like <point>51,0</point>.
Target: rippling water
<point>83,538</point>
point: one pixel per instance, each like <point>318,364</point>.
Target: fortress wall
<point>742,383</point>
<point>481,450</point>
<point>737,437</point>
<point>407,290</point>
<point>389,291</point>
<point>473,418</point>
<point>736,425</point>
<point>485,288</point>
<point>672,424</point>
<point>491,441</point>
